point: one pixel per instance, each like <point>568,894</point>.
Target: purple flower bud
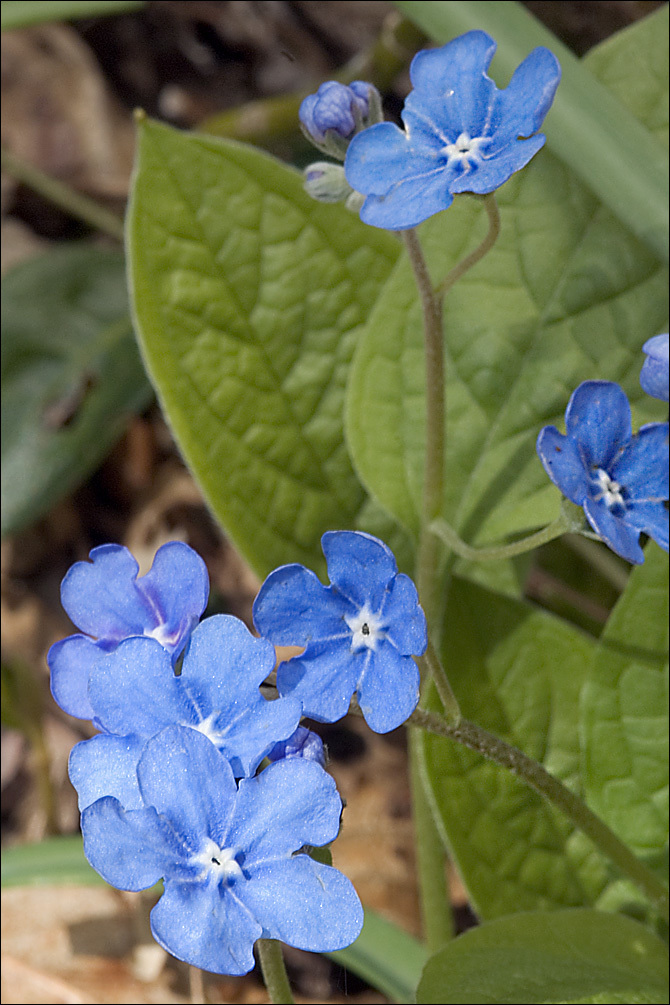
<point>654,376</point>
<point>334,107</point>
<point>303,743</point>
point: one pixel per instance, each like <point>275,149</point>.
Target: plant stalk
<point>74,203</point>
<point>271,960</point>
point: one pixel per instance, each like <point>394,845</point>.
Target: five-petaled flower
<point>228,856</point>
<point>135,693</point>
<point>621,480</point>
<point>109,603</point>
<point>461,133</point>
<point>359,633</point>
<point>654,375</point>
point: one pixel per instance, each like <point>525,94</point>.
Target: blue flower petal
<point>291,803</point>
<point>167,763</point>
<point>206,926</point>
<point>654,379</point>
<point>598,419</point>
<point>520,109</point>
<point>642,464</point>
<point>107,766</point>
<point>323,679</point>
<point>293,607</point>
<point>177,587</point>
<point>304,904</point>
<point>615,531</point>
<point>360,566</point>
<point>407,623</point>
<point>70,662</point>
<point>382,156</point>
<point>134,690</point>
<point>563,463</point>
<point>128,849</point>
<point>452,86</point>
<point>490,173</point>
<point>101,596</point>
<point>410,202</point>
<point>388,690</point>
<point>653,519</point>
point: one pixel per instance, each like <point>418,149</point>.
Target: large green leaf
<point>625,713</point>
<point>567,294</point>
<point>562,956</point>
<point>517,671</point>
<point>590,127</point>
<point>249,298</point>
<point>71,375</point>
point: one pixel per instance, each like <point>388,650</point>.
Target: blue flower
<point>360,633</point>
<point>227,855</point>
<point>134,694</point>
<point>461,133</point>
<point>336,111</point>
<point>108,603</point>
<point>654,376</point>
<point>621,480</point>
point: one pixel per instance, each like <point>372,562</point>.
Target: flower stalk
<point>272,964</point>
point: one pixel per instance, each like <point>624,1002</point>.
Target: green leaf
<point>567,294</point>
<point>624,714</point>
<point>577,955</point>
<point>71,375</point>
<point>385,956</point>
<point>56,860</point>
<point>517,672</point>
<point>249,298</point>
<point>590,126</point>
<point>19,13</point>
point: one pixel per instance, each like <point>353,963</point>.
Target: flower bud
<point>302,743</point>
<point>326,182</point>
<point>332,116</point>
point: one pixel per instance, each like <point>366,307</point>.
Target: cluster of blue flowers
<point>176,785</point>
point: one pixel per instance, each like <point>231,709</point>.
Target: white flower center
<point>610,490</point>
<point>206,727</point>
<point>218,862</point>
<point>366,629</point>
<point>161,634</point>
<point>465,150</point>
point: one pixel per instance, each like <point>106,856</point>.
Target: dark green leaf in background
<point>71,375</point>
<point>249,298</point>
<point>561,956</point>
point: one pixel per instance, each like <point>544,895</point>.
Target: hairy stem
<point>61,195</point>
<point>271,960</point>
<point>491,207</point>
<point>533,774</point>
<point>447,534</point>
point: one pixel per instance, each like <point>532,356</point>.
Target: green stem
<point>61,195</point>
<point>533,774</point>
<point>447,534</point>
<point>436,916</point>
<point>491,207</point>
<point>432,666</point>
<point>433,479</point>
<point>274,972</point>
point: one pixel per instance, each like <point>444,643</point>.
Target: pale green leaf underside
<point>249,298</point>
<point>517,672</point>
<point>624,714</point>
<point>566,295</point>
<point>563,956</point>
